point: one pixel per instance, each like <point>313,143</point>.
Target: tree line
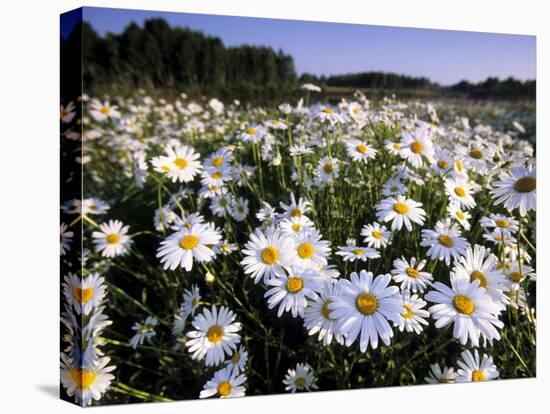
<point>158,57</point>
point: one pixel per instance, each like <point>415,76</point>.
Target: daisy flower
<point>144,331</point>
<point>310,87</point>
<point>447,375</point>
<point>359,150</point>
<point>102,111</point>
<point>215,335</point>
<point>459,191</point>
<point>410,275</point>
<point>112,239</point>
<point>352,252</point>
<point>474,369</point>
<point>164,217</point>
<point>392,147</point>
<point>444,242</point>
<point>252,134</point>
<point>400,210</point>
<point>330,116</point>
<point>184,164</point>
<point>300,149</point>
<point>375,235</point>
<point>317,315</point>
<point>226,383</point>
<point>469,308</point>
<point>181,247</point>
<point>220,159</point>
<point>416,144</point>
<point>302,378</point>
<point>191,300</point>
<point>66,238</point>
<point>221,204</point>
<point>310,249</point>
<point>443,161</point>
<point>479,264</point>
<point>500,222</point>
<point>67,113</point>
<point>267,214</point>
<point>517,189</point>
<point>266,254</point>
<point>363,307</point>
<point>327,169</point>
<point>86,384</point>
<point>413,314</point>
<point>516,274</point>
<point>239,208</point>
<point>393,187</point>
<point>238,360</point>
<point>295,208</point>
<point>84,293</point>
<point>295,225</point>
<point>290,291</point>
<point>456,213</point>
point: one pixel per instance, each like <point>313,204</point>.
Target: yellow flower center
<point>224,388</point>
<point>408,312</point>
<point>194,303</point>
<point>305,250</point>
<point>83,295</point>
<point>222,202</point>
<point>296,212</point>
<point>443,164</point>
<point>366,303</point>
<point>412,272</point>
<point>296,227</point>
<point>476,153</point>
<point>327,111</point>
<point>112,238</point>
<point>325,311</point>
<point>83,378</point>
<point>463,304</point>
<point>515,277</point>
<point>477,275</point>
<point>401,207</point>
<point>181,163</point>
<point>270,255</point>
<point>396,146</point>
<point>525,184</point>
<point>358,252</point>
<point>215,334</point>
<point>104,110</point>
<point>300,382</point>
<point>416,147</point>
<point>216,175</point>
<point>294,284</point>
<point>459,191</point>
<point>217,161</point>
<point>460,215</point>
<point>362,148</point>
<point>376,234</point>
<point>236,357</point>
<point>477,375</point>
<point>502,223</point>
<point>446,241</point>
<point>459,165</point>
<point>328,168</point>
<point>165,168</point>
<point>251,131</point>
<point>189,242</point>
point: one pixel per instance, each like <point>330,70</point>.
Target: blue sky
<point>334,48</point>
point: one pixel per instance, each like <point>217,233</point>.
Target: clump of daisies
<point>86,373</point>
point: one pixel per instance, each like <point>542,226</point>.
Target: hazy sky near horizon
<point>443,56</point>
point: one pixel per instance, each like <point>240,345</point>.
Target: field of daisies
<point>221,250</point>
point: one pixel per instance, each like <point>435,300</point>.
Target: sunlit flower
<point>517,189</point>
<point>415,146</point>
<point>112,239</point>
<point>400,210</point>
<point>375,235</point>
<point>413,315</point>
<point>444,242</point>
<point>226,383</point>
<point>302,378</point>
<point>447,375</point>
<point>474,369</point>
<point>215,335</point>
<point>410,275</point>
